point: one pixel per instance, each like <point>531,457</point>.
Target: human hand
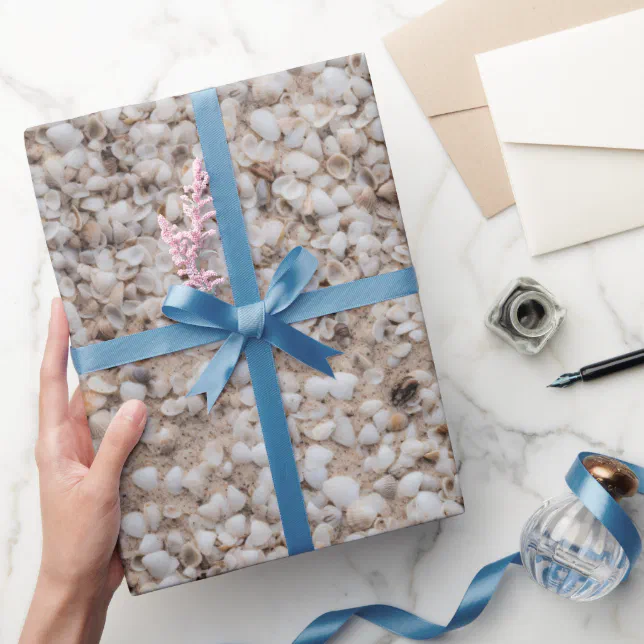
<point>79,499</point>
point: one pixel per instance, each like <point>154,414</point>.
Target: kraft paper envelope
<point>569,113</point>
<point>436,55</point>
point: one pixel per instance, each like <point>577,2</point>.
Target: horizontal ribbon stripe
<point>479,593</point>
<point>180,337</point>
<point>141,346</point>
<point>342,297</point>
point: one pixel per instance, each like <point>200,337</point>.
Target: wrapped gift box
<point>371,445</point>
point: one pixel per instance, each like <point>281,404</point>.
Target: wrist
<point>66,612</point>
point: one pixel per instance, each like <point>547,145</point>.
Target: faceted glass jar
<point>569,552</point>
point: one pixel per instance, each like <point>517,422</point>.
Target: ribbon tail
<point>405,624</point>
<point>213,380</point>
<point>298,345</point>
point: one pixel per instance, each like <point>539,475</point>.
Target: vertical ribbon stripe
<point>241,272</point>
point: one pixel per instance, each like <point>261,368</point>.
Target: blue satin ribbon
<point>479,593</point>
<point>257,320</point>
<point>252,326</point>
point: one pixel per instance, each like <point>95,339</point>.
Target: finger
<point>77,407</point>
<point>119,440</point>
<point>53,371</point>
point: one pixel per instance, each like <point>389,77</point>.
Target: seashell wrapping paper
<point>312,170</point>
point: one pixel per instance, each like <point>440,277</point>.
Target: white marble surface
<point>515,439</point>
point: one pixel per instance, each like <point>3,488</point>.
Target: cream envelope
<point>435,54</point>
<point>569,113</point>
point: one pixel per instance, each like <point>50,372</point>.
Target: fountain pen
<point>600,369</point>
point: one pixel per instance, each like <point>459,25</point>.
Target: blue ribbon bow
<point>257,320</point>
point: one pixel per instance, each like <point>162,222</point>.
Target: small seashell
<point>96,383</point>
<point>342,491</point>
<point>344,433</point>
<point>426,506</point>
<point>322,204</point>
<point>321,431</point>
<point>236,499</point>
<point>361,515</point>
<point>366,178</point>
<point>409,485</point>
<point>386,486</point>
<point>115,316</point>
<point>260,534</point>
<point>236,526</point>
<point>370,407</point>
<point>95,129</point>
<point>317,456</point>
<point>133,255</point>
<point>216,509</point>
<point>401,350</point>
<point>132,391</point>
<point>263,122</point>
<point>64,136</point>
<point>152,515</point>
<point>190,556</point>
<point>240,453</point>
<point>206,541</point>
<point>323,535</point>
<point>397,314</point>
<point>300,164</point>
<point>413,447</point>
<point>339,166</point>
<point>341,387</point>
<point>159,564</point>
<point>338,245</point>
<point>171,511</point>
<point>173,406</point>
<point>316,477</point>
<point>145,478</point>
<point>398,422</point>
<point>366,199</point>
<point>336,273</point>
<point>173,480</point>
<point>381,419</point>
<point>133,524</point>
<point>405,391</point>
<point>369,435</point>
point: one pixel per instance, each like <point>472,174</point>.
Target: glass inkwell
<point>526,315</point>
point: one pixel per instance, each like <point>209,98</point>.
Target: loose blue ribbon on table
<point>479,593</point>
<point>252,325</point>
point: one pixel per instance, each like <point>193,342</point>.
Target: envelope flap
<point>436,52</point>
<point>582,87</point>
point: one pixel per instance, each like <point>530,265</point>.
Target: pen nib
<point>565,380</point>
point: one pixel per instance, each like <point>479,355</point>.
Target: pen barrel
<point>612,365</point>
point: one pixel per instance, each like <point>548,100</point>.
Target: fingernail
<point>134,412</point>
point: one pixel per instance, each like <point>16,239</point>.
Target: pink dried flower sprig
<point>185,245</point>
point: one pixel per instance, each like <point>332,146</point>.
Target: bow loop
<point>191,307</point>
<point>195,308</point>
<point>291,277</point>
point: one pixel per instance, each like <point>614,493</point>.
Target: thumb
<point>120,438</point>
